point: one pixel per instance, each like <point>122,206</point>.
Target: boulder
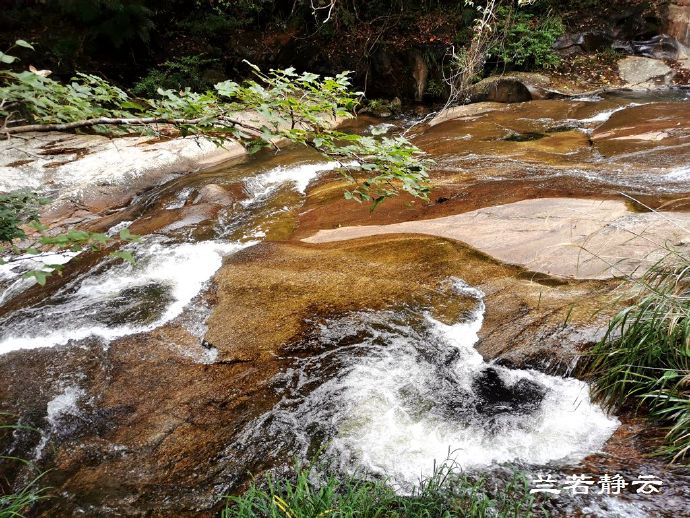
<point>640,73</point>
<point>658,47</point>
<point>577,43</point>
<point>501,90</point>
<point>214,194</point>
<point>516,87</point>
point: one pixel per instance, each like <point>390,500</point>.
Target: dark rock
<point>502,90</point>
<point>657,47</point>
<point>494,396</point>
<point>576,43</point>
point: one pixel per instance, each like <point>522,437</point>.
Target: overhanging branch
<point>111,121</point>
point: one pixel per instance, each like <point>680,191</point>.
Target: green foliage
<point>211,25</point>
<point>41,241</point>
<point>118,22</point>
<point>7,59</point>
<point>644,358</point>
<point>222,6</point>
<point>382,107</point>
<point>436,89</point>
<point>17,504</point>
<point>445,494</point>
<point>525,40</point>
<point>38,98</point>
<point>279,104</point>
<point>177,74</point>
<point>16,209</point>
<point>297,107</point>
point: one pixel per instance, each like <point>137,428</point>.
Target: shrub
<point>16,209</point>
<point>117,22</point>
<point>525,40</point>
<point>176,74</point>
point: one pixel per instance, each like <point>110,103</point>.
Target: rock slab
<point>564,237</point>
<point>643,73</point>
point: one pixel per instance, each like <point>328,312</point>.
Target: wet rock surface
<point>164,421</point>
<point>97,173</point>
<point>565,237</point>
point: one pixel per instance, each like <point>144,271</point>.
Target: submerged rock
<point>495,396</point>
<point>646,136</point>
<point>215,195</point>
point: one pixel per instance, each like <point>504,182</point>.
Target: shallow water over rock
<point>232,346</point>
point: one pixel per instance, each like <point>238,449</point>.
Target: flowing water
<point>394,391</point>
<point>387,392</point>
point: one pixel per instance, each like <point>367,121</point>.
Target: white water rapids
<point>118,299</point>
<point>405,391</point>
<point>390,391</point>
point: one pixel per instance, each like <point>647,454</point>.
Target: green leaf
<point>379,130</point>
<point>125,255</point>
<point>5,58</point>
<point>131,105</point>
<point>25,44</point>
<point>126,235</point>
<point>39,275</point>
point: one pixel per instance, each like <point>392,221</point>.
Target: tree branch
<point>110,121</point>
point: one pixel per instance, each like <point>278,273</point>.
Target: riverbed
<point>267,319</point>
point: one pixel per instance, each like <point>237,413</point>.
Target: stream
<point>142,399</point>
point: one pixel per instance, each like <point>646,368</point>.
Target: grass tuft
<point>16,503</point>
<point>446,494</point>
<point>643,361</point>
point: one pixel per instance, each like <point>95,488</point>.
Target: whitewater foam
<point>65,403</point>
<point>606,115</point>
<point>12,273</point>
<point>410,391</point>
<point>300,176</point>
<point>121,299</point>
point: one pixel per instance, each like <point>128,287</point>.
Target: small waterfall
<point>394,391</point>
<point>12,280</point>
<point>300,176</point>
<point>117,299</point>
<point>63,404</point>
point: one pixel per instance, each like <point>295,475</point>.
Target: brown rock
<point>583,239</point>
<point>678,20</point>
